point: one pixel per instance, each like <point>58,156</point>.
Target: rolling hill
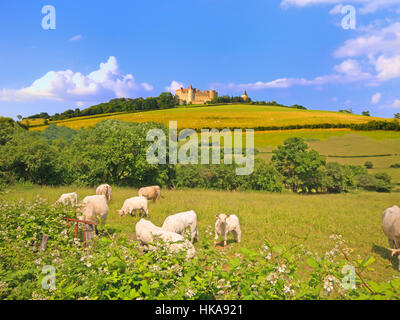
<point>237,116</point>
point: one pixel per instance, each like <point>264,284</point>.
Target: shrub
<point>380,182</point>
<point>395,165</point>
<point>368,165</point>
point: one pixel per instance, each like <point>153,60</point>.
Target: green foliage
<point>54,132</point>
<point>368,165</point>
<point>380,182</point>
<point>366,113</point>
<point>113,267</point>
<point>298,164</point>
<point>165,100</point>
<point>115,151</point>
<point>223,177</point>
<point>29,156</point>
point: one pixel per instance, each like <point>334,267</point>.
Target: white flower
<point>189,293</point>
<point>282,268</point>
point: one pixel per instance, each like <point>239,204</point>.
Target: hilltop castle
<point>195,96</point>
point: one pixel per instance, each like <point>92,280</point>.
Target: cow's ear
<point>228,215</point>
<point>217,216</point>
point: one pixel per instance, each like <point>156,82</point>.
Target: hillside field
<point>237,116</point>
<point>282,219</point>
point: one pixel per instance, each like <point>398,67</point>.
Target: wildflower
<point>189,293</point>
<point>282,268</point>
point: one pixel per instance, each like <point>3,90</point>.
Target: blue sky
<point>290,51</point>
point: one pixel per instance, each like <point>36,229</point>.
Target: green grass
<point>382,148</point>
<point>281,218</point>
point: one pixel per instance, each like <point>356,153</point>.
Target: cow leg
<point>225,238</point>
<point>215,239</point>
<point>239,235</point>
<point>234,235</point>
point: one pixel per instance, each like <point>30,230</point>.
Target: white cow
<point>224,225</point>
<point>179,222</point>
<point>133,204</point>
<point>106,190</point>
<point>391,228</point>
<point>147,233</point>
<point>93,209</point>
<point>67,199</point>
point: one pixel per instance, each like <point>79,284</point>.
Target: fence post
<point>43,244</point>
<point>88,234</point>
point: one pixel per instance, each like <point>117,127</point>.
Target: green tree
<point>397,115</point>
<point>298,164</point>
<point>368,165</point>
<point>366,113</point>
<point>28,156</point>
<point>166,100</point>
<point>115,151</point>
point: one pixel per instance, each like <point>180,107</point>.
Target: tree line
<point>114,151</point>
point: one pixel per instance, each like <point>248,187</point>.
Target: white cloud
<point>376,98</point>
<point>375,41</point>
<point>367,6</point>
<point>380,46</point>
<point>396,103</point>
<point>388,68</point>
<point>75,38</point>
<point>105,83</point>
<point>175,85</point>
<point>348,71</point>
<point>336,9</point>
<point>349,67</point>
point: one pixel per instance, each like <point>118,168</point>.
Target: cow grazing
<point>67,199</point>
<point>147,233</point>
<point>226,224</point>
<point>153,192</point>
<point>134,204</point>
<point>106,190</point>
<point>179,222</point>
<point>391,228</point>
<point>93,209</point>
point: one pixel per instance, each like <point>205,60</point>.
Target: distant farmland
<point>237,116</point>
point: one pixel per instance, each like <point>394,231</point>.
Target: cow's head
<point>222,218</point>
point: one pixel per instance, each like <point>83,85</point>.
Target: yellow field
<point>238,116</point>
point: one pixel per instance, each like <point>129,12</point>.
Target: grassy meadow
<point>238,116</point>
<point>284,219</point>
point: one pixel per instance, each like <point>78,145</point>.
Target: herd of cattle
<point>95,209</point>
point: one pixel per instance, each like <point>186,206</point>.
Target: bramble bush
<point>114,267</point>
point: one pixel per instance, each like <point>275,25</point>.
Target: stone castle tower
<point>245,96</point>
<point>195,96</point>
